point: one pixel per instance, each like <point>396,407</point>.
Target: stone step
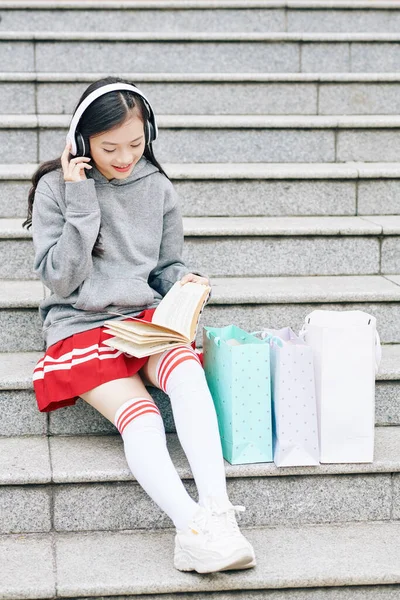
<point>290,559</point>
<point>215,93</point>
<point>199,16</point>
<point>216,138</point>
<point>75,483</point>
<point>263,246</point>
<point>250,303</point>
<point>245,189</point>
<point>199,51</point>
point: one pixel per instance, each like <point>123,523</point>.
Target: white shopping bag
<point>295,424</point>
<point>346,351</point>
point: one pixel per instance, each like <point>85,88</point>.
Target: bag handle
<point>269,338</point>
<point>212,336</point>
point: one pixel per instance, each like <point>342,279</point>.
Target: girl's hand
<point>195,279</point>
<point>74,169</point>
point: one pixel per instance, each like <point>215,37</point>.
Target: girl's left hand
<point>195,279</point>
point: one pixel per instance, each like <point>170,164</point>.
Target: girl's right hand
<point>74,169</point>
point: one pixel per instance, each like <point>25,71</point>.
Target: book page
<point>180,308</point>
<point>139,327</point>
<point>140,351</point>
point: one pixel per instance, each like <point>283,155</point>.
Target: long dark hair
<point>104,113</point>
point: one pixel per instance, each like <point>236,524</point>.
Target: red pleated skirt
<point>80,363</point>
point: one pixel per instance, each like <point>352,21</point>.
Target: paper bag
<point>237,368</point>
<point>346,353</point>
<point>294,409</point>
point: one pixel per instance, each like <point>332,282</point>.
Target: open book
<point>174,323</point>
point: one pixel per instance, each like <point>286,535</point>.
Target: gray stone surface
<point>389,368</point>
<point>20,331</point>
<point>359,99</point>
<point>16,370</point>
<point>24,509</point>
<point>270,198</point>
<point>311,555</point>
<point>387,403</point>
<point>336,21</point>
<point>275,290</point>
<point>16,258</point>
<point>19,414</point>
<point>390,255</point>
<point>26,567</point>
<point>396,497</point>
<point>198,98</point>
<point>369,58</point>
<point>155,57</point>
<point>268,501</point>
<point>222,145</point>
<point>13,199</point>
<point>268,226</point>
<point>17,146</point>
<point>21,294</point>
<point>282,256</point>
<point>17,98</point>
<point>369,146</point>
<point>24,460</point>
<point>376,592</point>
<point>324,58</point>
<point>16,56</point>
<point>85,453</point>
<point>213,19</point>
<point>390,223</point>
<point>379,197</point>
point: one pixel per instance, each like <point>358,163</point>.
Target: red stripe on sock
<point>133,417</point>
<point>169,359</point>
<point>133,408</point>
<point>168,370</point>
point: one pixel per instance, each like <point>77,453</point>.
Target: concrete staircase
<point>279,128</point>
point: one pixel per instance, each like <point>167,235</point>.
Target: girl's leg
<point>127,404</point>
<point>179,373</point>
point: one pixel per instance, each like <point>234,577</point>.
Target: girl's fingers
<point>79,158</point>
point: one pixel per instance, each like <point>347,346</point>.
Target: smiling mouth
<point>124,168</point>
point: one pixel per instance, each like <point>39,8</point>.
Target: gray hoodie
<point>142,237</point>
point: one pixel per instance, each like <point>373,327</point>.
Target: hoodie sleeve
<point>170,267</point>
<point>63,243</point>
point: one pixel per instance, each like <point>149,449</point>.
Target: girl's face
<point>116,151</point>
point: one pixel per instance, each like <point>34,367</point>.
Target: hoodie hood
<point>143,168</point>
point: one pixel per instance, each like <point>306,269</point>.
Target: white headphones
<point>78,147</point>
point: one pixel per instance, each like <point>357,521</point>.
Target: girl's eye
<point>133,146</point>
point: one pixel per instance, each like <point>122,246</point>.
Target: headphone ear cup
<point>80,145</point>
<point>150,134</point>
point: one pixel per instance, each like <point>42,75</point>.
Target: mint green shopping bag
<point>237,368</point>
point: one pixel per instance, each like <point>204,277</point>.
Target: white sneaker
<point>207,546</point>
<point>224,511</point>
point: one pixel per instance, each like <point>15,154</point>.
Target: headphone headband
<point>110,87</point>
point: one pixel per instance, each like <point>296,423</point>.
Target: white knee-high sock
<point>142,429</point>
<point>181,376</point>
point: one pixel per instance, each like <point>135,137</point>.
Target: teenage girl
<point>108,236</point>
